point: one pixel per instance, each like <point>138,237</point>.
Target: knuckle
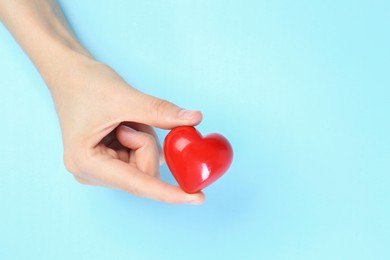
<point>73,160</point>
<point>160,106</point>
<point>149,140</point>
<point>169,200</point>
<point>80,180</point>
<point>134,191</point>
<point>132,186</point>
<point>164,199</point>
<point>166,195</point>
<point>70,163</point>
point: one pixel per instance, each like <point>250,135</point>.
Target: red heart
<point>196,161</point>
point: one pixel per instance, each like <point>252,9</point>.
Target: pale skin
<point>107,125</point>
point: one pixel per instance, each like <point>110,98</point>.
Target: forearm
<point>42,31</point>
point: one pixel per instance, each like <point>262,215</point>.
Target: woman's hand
<point>107,133</point>
<point>105,123</point>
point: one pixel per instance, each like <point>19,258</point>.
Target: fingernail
<point>128,129</point>
<point>186,114</point>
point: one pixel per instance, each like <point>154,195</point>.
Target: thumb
<point>160,113</point>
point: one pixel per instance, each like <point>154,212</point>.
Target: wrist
<point>56,50</point>
<point>60,56</point>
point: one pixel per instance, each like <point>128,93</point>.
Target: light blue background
<point>300,88</point>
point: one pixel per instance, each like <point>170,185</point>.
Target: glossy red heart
<point>196,161</point>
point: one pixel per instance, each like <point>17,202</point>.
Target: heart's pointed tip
<point>195,198</point>
<point>190,190</point>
